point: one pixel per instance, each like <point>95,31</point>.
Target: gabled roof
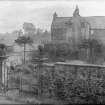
<point>96,22</point>
<point>59,22</point>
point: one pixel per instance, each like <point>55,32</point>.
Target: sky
<point>14,13</point>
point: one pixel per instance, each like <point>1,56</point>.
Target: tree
<point>94,47</point>
<point>29,28</point>
<point>40,51</point>
<point>57,51</point>
<point>23,40</point>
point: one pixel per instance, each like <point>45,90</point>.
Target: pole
<point>7,79</point>
<point>4,77</point>
<point>20,88</point>
<point>1,72</point>
<point>24,52</point>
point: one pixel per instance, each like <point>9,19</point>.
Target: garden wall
<point>75,83</point>
<point>83,71</point>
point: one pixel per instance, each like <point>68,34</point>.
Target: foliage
<point>27,74</point>
<point>29,28</point>
<point>37,34</point>
<point>70,88</point>
<point>40,50</point>
<point>9,49</point>
<point>55,51</point>
<point>65,51</point>
<point>24,40</point>
<point>77,90</point>
<point>41,36</point>
<point>59,89</point>
<point>95,48</point>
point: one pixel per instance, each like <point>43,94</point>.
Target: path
<point>4,100</point>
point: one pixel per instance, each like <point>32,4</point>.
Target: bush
<point>59,89</point>
<point>79,91</point>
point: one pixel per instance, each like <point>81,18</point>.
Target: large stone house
<point>76,27</point>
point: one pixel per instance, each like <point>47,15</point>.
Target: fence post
<point>20,86</point>
<point>7,79</point>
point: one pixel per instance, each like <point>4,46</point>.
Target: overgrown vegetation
<point>40,81</point>
<point>91,51</point>
<point>66,87</point>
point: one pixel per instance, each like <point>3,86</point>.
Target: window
<point>82,24</point>
<point>69,24</point>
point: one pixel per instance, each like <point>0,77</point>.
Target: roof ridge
<point>93,16</point>
<point>63,17</point>
<point>97,22</point>
<point>81,16</point>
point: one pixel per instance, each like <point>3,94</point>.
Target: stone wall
<point>83,83</point>
<point>81,71</point>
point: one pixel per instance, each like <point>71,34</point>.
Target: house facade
<point>76,27</point>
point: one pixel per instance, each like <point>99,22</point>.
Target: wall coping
<point>85,65</point>
<point>49,64</point>
<point>71,64</point>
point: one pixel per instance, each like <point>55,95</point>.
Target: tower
<point>76,26</point>
<point>76,12</point>
<point>54,16</point>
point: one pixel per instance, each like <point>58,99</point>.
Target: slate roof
<point>96,22</point>
<point>59,22</point>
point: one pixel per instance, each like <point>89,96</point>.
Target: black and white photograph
<point>52,52</point>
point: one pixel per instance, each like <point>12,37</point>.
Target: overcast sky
<point>14,13</point>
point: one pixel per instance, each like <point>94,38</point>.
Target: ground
<point>5,100</point>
